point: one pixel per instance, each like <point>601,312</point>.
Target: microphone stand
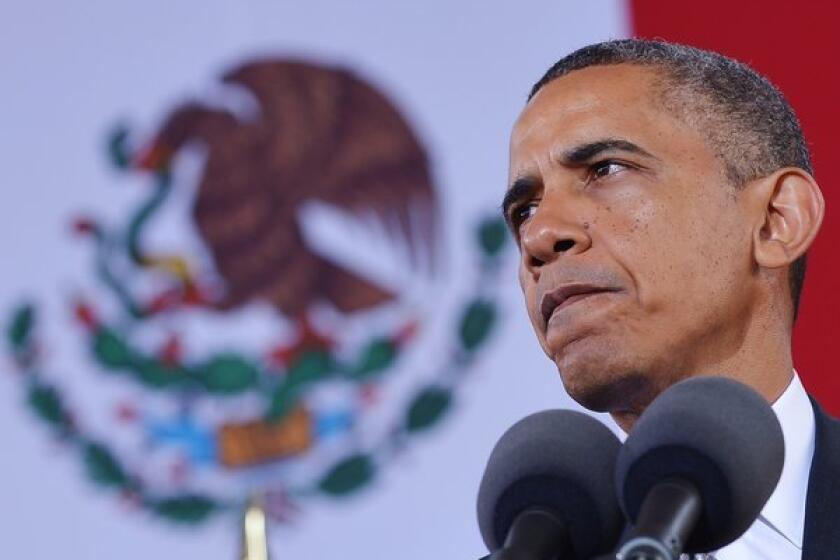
<point>666,519</point>
<point>534,535</point>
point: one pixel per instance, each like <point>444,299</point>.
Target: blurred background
<point>252,251</point>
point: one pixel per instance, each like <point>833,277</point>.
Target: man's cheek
<point>528,287</point>
<point>529,291</point>
<point>524,276</point>
<point>531,306</point>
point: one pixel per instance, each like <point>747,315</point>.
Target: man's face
<point>635,250</point>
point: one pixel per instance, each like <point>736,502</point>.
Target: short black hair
<point>745,118</point>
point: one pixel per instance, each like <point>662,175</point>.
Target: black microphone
<point>548,489</point>
<point>697,468</point>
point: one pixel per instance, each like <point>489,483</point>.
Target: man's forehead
<point>591,97</point>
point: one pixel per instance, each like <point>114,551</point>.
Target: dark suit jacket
<point>822,507</point>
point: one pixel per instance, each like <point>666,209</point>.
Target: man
<point>663,201</point>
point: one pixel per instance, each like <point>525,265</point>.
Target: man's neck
<point>762,360</point>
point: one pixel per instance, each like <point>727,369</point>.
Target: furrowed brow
<point>583,153</point>
<point>522,188</point>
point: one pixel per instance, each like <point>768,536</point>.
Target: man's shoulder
<point>822,510</point>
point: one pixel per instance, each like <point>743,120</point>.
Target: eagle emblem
<point>316,133</point>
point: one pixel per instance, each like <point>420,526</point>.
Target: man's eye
<point>523,212</point>
<point>606,168</point>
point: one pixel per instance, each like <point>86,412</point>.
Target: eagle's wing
<point>342,142</point>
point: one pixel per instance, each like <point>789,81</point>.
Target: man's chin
<point>601,376</point>
<point>602,392</point>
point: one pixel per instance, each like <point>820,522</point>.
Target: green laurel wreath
<point>227,374</point>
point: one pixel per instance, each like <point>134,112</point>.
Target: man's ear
<point>789,208</point>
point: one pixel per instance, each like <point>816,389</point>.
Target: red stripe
<point>793,44</point>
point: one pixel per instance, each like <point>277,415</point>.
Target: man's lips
<point>567,295</point>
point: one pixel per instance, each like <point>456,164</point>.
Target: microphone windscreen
<point>718,434</point>
<point>560,461</point>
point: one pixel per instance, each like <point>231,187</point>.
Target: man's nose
<point>550,234</point>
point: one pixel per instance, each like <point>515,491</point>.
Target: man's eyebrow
<point>521,188</point>
<point>524,187</point>
<point>583,153</point>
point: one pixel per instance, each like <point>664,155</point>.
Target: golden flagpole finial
<point>254,532</point>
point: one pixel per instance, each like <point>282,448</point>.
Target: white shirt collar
<point>785,510</point>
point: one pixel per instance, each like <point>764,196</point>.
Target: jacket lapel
<point>822,507</point>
